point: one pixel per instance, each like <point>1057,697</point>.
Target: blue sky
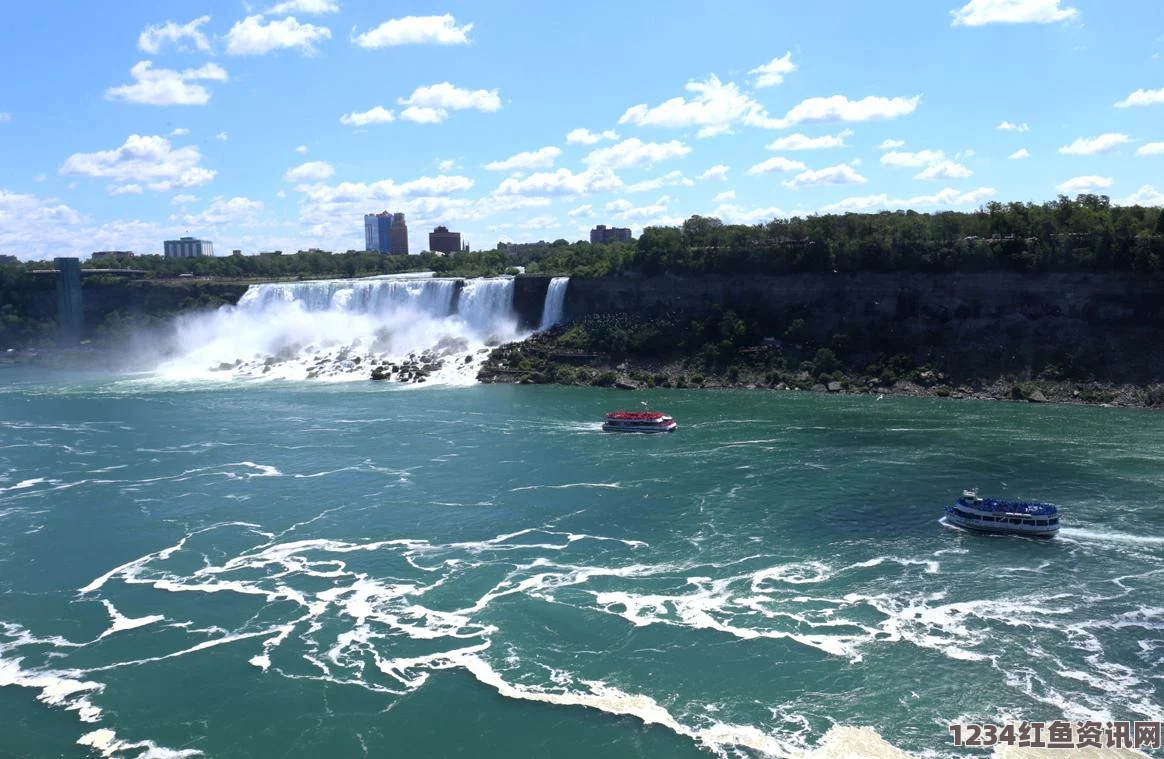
<point>278,125</point>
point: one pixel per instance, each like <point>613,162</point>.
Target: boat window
<point>1015,521</point>
<point>1041,522</point>
<point>1054,520</point>
<point>987,519</point>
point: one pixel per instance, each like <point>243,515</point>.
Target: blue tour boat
<point>1033,520</point>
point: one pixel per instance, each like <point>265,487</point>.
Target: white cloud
<point>733,214</point>
<point>715,108</point>
<point>725,196</point>
<point>947,198</point>
<point>982,12</point>
<point>167,87</point>
<point>221,212</point>
<point>183,199</point>
<point>842,174</point>
<point>447,165</point>
<point>1019,154</point>
<point>583,210</point>
<point>280,194</point>
<point>1006,126</point>
<point>561,182</point>
<point>5,117</point>
<point>634,153</point>
<point>416,30</point>
<point>543,158</point>
<point>154,37</point>
<point>891,144</point>
<point>772,73</point>
<point>776,163</point>
<point>419,115</point>
<point>624,211</point>
<point>1105,143</point>
<point>581,136</point>
<point>308,7</point>
<point>431,105</point>
<point>1145,196</point>
<point>1142,97</point>
<point>252,36</point>
<point>301,149</point>
<point>912,160</point>
<point>125,189</point>
<point>377,115</point>
<point>719,171</point>
<point>327,210</point>
<point>180,132</point>
<point>840,108</point>
<point>310,171</point>
<point>545,221</point>
<point>944,170</point>
<point>1086,184</point>
<point>804,142</point>
<point>33,227</point>
<point>223,136</point>
<point>1152,148</point>
<point>143,159</point>
<point>667,180</point>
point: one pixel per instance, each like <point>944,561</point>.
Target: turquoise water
<point>301,570</point>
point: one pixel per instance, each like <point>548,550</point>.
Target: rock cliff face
<point>100,299</point>
<point>990,324</point>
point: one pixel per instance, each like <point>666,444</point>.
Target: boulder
<point>834,387</point>
<point>1037,397</point>
<point>626,384</point>
<point>819,388</point>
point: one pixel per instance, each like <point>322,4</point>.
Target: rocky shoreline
<point>538,360</point>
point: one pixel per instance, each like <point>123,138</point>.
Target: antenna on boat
<point>644,404</point>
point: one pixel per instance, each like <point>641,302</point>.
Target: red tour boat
<point>638,421</point>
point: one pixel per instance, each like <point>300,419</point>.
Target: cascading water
<point>415,328</point>
<point>555,302</point>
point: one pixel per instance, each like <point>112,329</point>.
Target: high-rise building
<point>441,240</point>
<point>385,232</point>
<point>604,234</point>
<point>377,235</point>
<point>399,235</point>
<point>188,247</point>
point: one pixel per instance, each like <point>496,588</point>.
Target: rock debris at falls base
<point>414,368</point>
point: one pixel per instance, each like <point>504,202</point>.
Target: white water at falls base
<point>419,326</point>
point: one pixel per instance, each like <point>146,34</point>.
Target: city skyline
<point>256,127</point>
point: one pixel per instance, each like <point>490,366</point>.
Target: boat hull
<point>653,430</point>
<point>1026,531</point>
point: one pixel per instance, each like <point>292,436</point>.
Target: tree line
<point>1087,233</point>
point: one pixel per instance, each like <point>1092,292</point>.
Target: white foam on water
<point>61,688</point>
<point>120,622</point>
<point>24,484</point>
<point>568,486</point>
<point>351,627</point>
<point>106,743</point>
<point>605,698</point>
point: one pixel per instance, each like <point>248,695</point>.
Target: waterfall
<point>555,302</point>
<point>340,328</point>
